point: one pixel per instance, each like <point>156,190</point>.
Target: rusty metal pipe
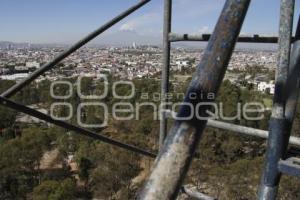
<point>165,72</point>
<point>173,37</point>
<point>238,129</point>
<point>174,159</point>
<point>279,134</point>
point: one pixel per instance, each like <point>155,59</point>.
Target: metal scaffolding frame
<point>236,129</point>
<point>176,154</point>
<point>173,37</point>
<point>176,150</point>
<point>284,106</point>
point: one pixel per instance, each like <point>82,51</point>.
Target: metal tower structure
<point>177,148</point>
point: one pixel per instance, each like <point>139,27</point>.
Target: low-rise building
<point>267,87</point>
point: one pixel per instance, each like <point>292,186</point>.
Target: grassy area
<point>268,102</point>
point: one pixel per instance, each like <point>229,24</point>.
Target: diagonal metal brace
<point>14,89</point>
<point>174,159</point>
<point>24,109</point>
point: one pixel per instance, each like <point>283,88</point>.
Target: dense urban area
<point>133,62</point>
<point>40,161</point>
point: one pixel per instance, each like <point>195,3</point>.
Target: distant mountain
<point>6,44</point>
<point>118,38</point>
<point>127,38</point>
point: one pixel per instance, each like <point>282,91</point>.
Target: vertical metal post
<point>165,70</point>
<point>278,122</point>
<point>174,159</point>
<point>292,86</point>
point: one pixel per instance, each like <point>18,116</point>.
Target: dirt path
<point>49,160</point>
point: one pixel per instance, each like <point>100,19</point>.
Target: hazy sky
<point>48,21</point>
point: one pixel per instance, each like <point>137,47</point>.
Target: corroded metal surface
<point>173,161</point>
<point>278,129</point>
<point>173,37</point>
<point>165,70</point>
<point>290,166</point>
<point>292,85</point>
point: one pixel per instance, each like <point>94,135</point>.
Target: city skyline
<point>67,21</point>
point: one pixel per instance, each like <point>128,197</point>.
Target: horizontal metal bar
<point>24,109</point>
<point>239,129</point>
<point>290,166</point>
<point>174,37</point>
<point>247,131</point>
<point>11,91</point>
<point>196,195</point>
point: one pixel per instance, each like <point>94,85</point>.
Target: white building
<point>266,87</point>
<point>181,63</point>
<point>33,64</point>
<point>15,77</point>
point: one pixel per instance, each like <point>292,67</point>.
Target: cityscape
<point>131,62</point>
<point>175,100</point>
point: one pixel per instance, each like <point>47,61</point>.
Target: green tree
<point>19,162</point>
<point>55,190</point>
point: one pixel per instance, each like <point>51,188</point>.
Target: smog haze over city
<point>67,21</point>
<point>94,106</point>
